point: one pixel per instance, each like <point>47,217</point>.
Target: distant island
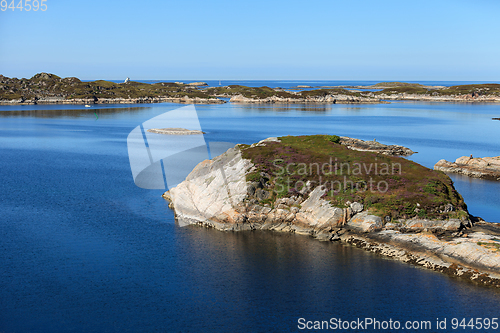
<point>326,187</point>
<point>45,88</point>
<point>174,131</point>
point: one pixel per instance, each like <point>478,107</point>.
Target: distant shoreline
<point>44,88</point>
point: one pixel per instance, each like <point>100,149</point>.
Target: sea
<point>83,249</point>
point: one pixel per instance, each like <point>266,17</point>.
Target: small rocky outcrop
<point>197,84</point>
<point>485,167</point>
<point>375,146</point>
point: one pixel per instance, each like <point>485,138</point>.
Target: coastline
<point>45,88</point>
<point>91,101</point>
<point>333,99</point>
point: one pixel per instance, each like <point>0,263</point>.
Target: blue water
<point>82,249</point>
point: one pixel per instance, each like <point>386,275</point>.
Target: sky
<point>438,40</point>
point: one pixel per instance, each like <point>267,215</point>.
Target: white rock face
<point>318,213</point>
<point>212,189</point>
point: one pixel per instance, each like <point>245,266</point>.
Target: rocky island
<point>44,88</point>
<point>486,167</point>
<point>266,95</point>
<point>317,186</point>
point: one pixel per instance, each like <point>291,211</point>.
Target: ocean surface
<point>83,249</point>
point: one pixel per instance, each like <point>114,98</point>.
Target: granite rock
<point>486,167</point>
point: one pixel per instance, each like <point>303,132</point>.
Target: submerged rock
<point>174,131</point>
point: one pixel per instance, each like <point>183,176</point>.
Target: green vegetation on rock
<point>386,185</point>
<point>334,138</point>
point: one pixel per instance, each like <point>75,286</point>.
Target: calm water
<point>82,249</point>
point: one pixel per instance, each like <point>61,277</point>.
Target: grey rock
<point>486,167</point>
<point>356,207</point>
<point>262,194</point>
<point>252,188</point>
<point>448,208</point>
<point>374,146</point>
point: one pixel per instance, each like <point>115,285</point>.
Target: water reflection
<point>269,270</point>
<point>260,108</point>
<point>72,112</point>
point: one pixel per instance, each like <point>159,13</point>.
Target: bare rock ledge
<point>174,131</point>
<point>486,167</point>
<point>374,146</point>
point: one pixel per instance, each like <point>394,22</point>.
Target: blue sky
<point>324,40</point>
